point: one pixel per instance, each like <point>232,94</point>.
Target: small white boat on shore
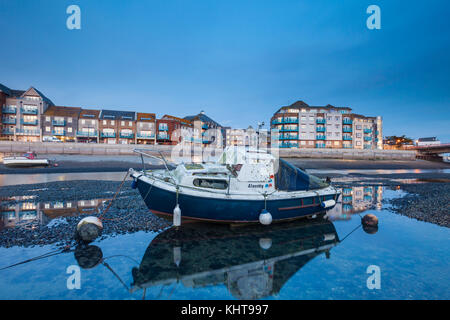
<point>27,160</point>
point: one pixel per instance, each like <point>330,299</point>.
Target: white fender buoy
<point>177,216</point>
<point>328,204</point>
<point>265,243</point>
<point>265,217</point>
<point>177,255</point>
<point>89,228</point>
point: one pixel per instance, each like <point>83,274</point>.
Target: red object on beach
<point>29,155</point>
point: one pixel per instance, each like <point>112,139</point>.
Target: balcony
<point>347,121</point>
<point>320,145</point>
<point>145,136</point>
<point>29,122</point>
<point>8,120</point>
<point>27,132</point>
<point>289,137</point>
<point>8,132</point>
<point>367,146</point>
<point>320,137</point>
<point>163,129</point>
<point>204,126</point>
<point>108,135</point>
<point>59,133</point>
<point>288,145</point>
<point>60,123</point>
<point>320,121</point>
<point>29,111</point>
<point>277,121</point>
<point>86,133</point>
<point>347,146</point>
<point>163,137</point>
<point>320,129</point>
<point>347,138</point>
<point>290,120</point>
<point>9,110</point>
<point>288,129</point>
<point>367,138</point>
<point>126,135</point>
<point>367,130</point>
<point>348,130</point>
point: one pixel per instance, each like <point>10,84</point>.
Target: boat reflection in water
<point>252,261</point>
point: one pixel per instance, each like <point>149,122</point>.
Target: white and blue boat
<point>242,186</point>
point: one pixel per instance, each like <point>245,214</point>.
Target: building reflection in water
<point>24,210</point>
<point>356,200</point>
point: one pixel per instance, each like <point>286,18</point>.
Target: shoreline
<point>81,164</point>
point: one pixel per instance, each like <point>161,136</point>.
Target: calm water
<point>312,259</point>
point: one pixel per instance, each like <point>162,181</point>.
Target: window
<point>112,122</point>
<point>211,183</point>
<point>69,129</point>
<point>47,129</point>
<point>122,123</point>
<point>130,123</point>
<point>83,121</point>
<point>69,120</point>
<point>311,143</point>
<point>336,143</point>
<point>336,118</point>
<point>105,122</point>
<point>47,118</point>
<point>93,121</point>
<point>302,143</point>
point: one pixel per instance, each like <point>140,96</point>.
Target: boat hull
<point>162,202</point>
<point>14,162</point>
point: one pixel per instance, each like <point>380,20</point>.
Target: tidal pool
<point>331,258</point>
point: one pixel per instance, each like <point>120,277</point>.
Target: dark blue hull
<point>162,202</point>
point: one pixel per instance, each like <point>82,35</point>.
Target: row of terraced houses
<point>28,115</point>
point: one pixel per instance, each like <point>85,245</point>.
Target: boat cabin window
<point>211,183</point>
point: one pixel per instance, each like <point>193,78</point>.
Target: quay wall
<point>15,147</point>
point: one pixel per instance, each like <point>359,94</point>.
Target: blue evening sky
<point>237,60</point>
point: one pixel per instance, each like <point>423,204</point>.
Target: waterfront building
<point>302,126</point>
<point>60,123</point>
<point>145,128</point>
<point>207,130</point>
<point>117,127</point>
<point>88,126</point>
<point>430,141</point>
<point>171,130</point>
<point>21,113</point>
<point>241,137</point>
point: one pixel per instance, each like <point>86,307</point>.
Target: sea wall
<point>40,148</point>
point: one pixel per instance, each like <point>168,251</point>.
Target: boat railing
<point>144,152</point>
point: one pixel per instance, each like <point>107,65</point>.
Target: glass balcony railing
<point>108,135</point>
<point>163,137</point>
<point>29,122</point>
<point>289,129</point>
<point>289,137</point>
<point>367,130</point>
<point>320,121</point>
<point>163,129</point>
<point>86,133</point>
<point>347,121</point>
<point>347,130</point>
<point>204,126</point>
<point>126,135</point>
<point>29,111</point>
<point>320,145</point>
<point>145,136</point>
<point>347,138</point>
<point>288,145</point>
<point>320,129</point>
<point>9,121</point>
<point>367,138</point>
<point>347,146</point>
<point>320,137</point>
<point>8,131</point>
<point>9,110</point>
<point>59,123</point>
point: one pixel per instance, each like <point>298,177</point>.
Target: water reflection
<point>253,262</point>
<point>25,210</point>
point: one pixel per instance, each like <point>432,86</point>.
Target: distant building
<point>241,137</point>
<point>117,127</point>
<point>202,123</point>
<point>146,128</point>
<point>88,126</point>
<point>430,141</point>
<point>172,130</point>
<point>21,113</point>
<point>302,126</point>
<point>60,123</point>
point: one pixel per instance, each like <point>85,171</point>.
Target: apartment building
<point>21,113</point>
<point>302,126</point>
<point>88,126</point>
<point>171,130</point>
<point>145,128</point>
<point>60,123</point>
<point>117,127</point>
<point>207,130</point>
<point>241,137</point>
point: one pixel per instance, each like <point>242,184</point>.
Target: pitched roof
<point>202,117</point>
<point>5,89</point>
<point>145,116</point>
<point>169,117</point>
<point>301,105</point>
<point>89,114</point>
<point>427,139</point>
<point>47,100</point>
<point>118,115</point>
<point>63,111</point>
